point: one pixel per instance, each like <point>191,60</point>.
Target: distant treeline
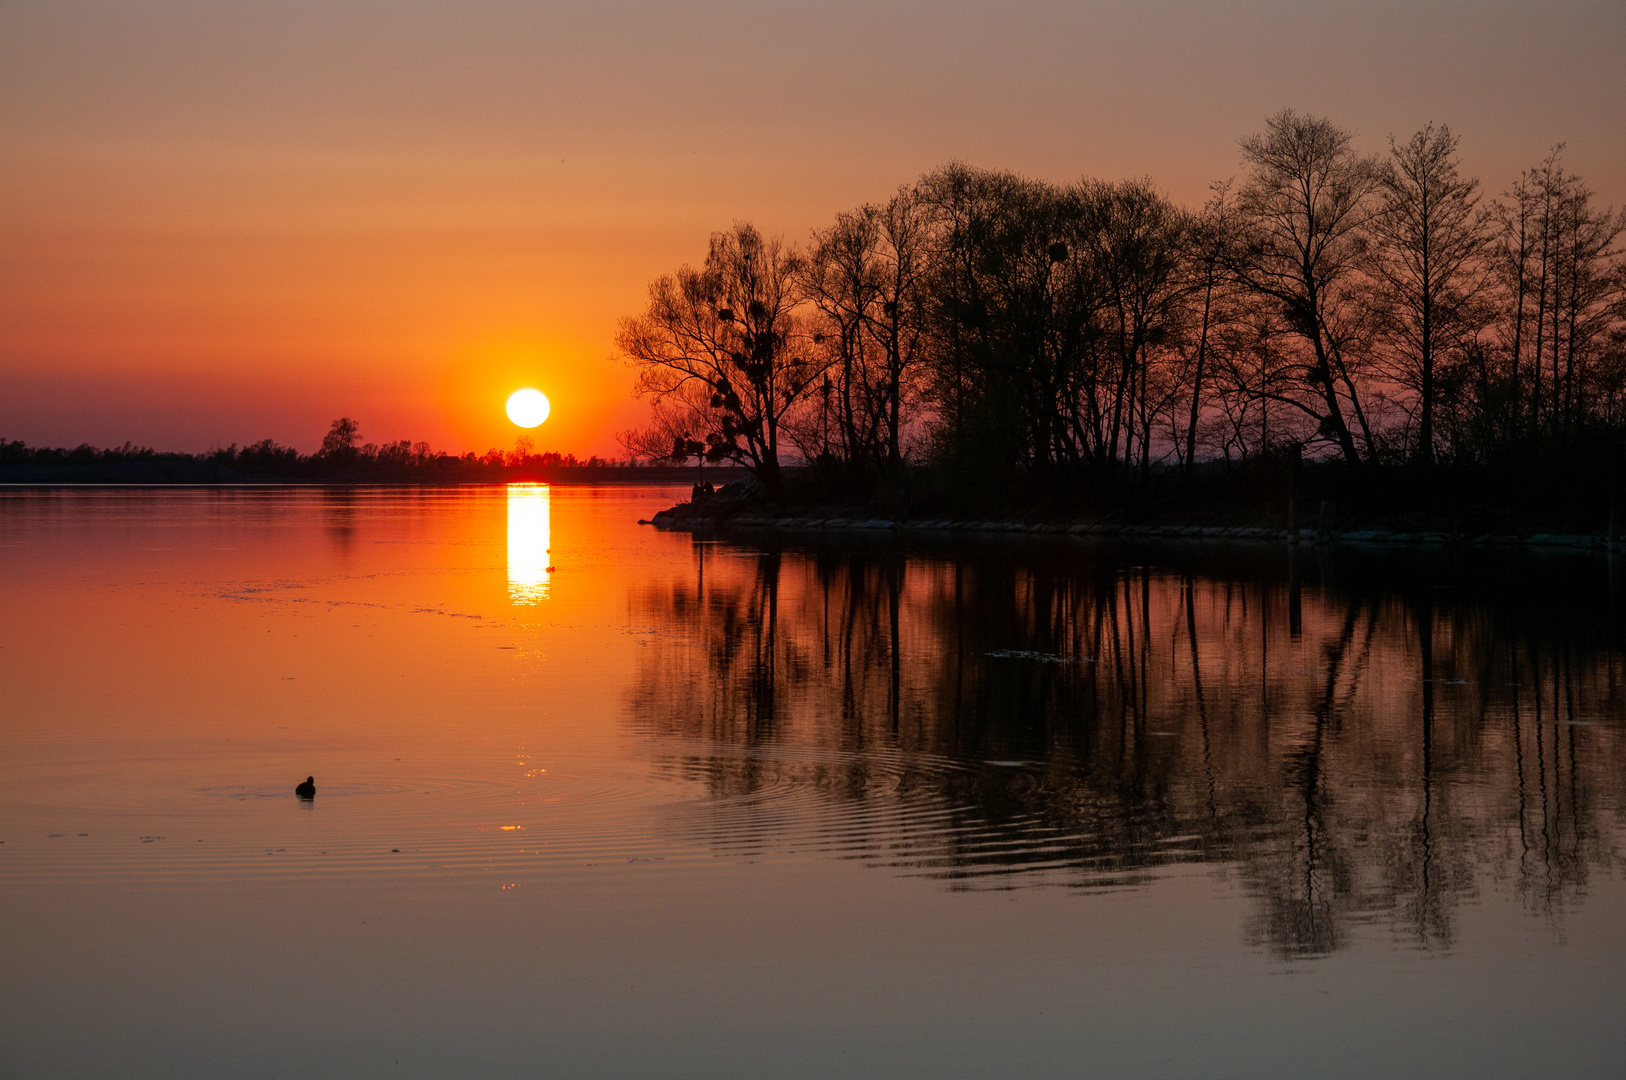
<point>19,452</point>
<point>342,457</point>
<point>343,452</point>
<point>1094,337</point>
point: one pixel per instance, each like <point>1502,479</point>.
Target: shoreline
<point>203,474</point>
<point>1320,505</point>
<point>681,518</point>
<point>666,521</point>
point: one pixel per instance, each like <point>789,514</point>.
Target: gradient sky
<point>222,221</point>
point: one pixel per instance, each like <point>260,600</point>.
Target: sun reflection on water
<point>528,543</point>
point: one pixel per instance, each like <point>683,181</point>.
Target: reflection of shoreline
<point>1360,739</point>
<point>529,543</point>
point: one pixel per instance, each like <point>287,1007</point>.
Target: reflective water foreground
<point>599,801</point>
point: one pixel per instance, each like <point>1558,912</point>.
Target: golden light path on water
<point>529,543</point>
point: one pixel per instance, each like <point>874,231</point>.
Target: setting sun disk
<point>528,408</point>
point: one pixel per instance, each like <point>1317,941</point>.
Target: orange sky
<point>222,222</point>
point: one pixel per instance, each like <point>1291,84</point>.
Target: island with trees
<point>1336,339</point>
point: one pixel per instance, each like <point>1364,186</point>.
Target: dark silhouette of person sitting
<point>307,790</point>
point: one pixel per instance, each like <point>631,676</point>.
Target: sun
<point>528,408</point>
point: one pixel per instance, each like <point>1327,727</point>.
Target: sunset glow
<point>1030,537</point>
<point>218,236</point>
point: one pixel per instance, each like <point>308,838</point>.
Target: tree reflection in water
<point>1362,736</point>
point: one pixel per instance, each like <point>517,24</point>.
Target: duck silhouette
<point>307,790</point>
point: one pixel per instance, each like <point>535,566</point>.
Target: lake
<point>595,800</point>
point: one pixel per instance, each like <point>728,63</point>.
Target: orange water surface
<point>595,800</point>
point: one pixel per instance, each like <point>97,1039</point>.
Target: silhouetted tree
<point>866,278</point>
<point>1015,293</point>
<point>1210,292</point>
<point>1306,207</point>
<point>339,444</point>
<point>1134,239</point>
<point>1563,286</point>
<point>1429,264</point>
<point>719,349</point>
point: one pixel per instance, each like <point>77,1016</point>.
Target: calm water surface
<point>597,801</point>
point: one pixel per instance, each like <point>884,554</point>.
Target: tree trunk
<point>1197,379</point>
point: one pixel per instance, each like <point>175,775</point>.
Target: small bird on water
<point>307,790</point>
